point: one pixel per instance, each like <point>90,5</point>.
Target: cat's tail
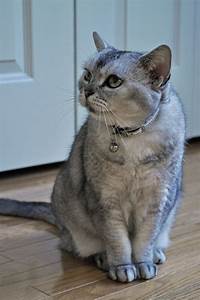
<point>32,210</point>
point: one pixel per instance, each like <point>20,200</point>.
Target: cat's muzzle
<point>96,105</point>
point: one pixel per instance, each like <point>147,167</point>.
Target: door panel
<point>36,83</point>
<point>6,30</point>
<point>168,22</point>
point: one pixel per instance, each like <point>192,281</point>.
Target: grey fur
<point>119,206</point>
<point>33,210</point>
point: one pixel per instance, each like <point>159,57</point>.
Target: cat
<point>116,196</point>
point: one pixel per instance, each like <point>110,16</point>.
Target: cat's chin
<point>96,110</point>
<point>92,110</point>
<point>94,114</point>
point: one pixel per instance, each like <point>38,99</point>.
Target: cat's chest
<point>140,181</point>
<point>137,149</point>
<point>124,172</point>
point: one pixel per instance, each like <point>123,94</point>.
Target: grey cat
<point>116,196</point>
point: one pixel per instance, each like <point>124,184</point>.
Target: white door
<point>36,82</point>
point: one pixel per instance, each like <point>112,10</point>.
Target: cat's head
<point>124,86</point>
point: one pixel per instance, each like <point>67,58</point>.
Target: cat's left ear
<point>99,42</point>
<point>157,64</point>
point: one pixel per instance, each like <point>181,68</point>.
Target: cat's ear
<point>157,64</point>
<point>99,42</point>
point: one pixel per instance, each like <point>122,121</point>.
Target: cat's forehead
<point>111,59</point>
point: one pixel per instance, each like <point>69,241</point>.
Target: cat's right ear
<point>157,65</point>
<point>99,42</point>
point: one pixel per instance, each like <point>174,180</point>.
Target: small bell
<point>114,147</point>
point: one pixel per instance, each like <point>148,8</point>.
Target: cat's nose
<point>89,93</point>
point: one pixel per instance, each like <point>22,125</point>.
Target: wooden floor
<point>33,267</point>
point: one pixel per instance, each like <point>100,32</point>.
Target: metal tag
<point>114,147</point>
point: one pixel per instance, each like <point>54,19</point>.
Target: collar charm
<point>114,147</point>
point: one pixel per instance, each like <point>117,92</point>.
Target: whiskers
<point>119,121</point>
<point>115,118</point>
<point>99,121</point>
<point>110,120</point>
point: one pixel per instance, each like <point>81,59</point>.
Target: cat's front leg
<point>147,222</point>
<point>119,253</point>
<point>117,244</point>
<point>118,249</point>
<point>143,248</point>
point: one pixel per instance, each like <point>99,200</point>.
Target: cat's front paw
<point>123,273</point>
<point>159,256</point>
<point>146,270</point>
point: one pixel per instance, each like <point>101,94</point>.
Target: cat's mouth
<point>97,106</point>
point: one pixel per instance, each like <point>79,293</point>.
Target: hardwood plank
<point>94,290</point>
<point>11,268</point>
<point>42,258</point>
<point>18,232</point>
<point>53,279</point>
<point>36,248</point>
<point>72,279</point>
<point>34,186</point>
<point>22,293</point>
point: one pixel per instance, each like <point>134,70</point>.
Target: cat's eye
<point>113,81</point>
<point>87,75</point>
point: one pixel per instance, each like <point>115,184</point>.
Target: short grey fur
<point>118,206</point>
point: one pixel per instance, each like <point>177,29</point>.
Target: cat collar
<point>128,131</point>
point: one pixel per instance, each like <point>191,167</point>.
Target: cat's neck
<point>159,130</point>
